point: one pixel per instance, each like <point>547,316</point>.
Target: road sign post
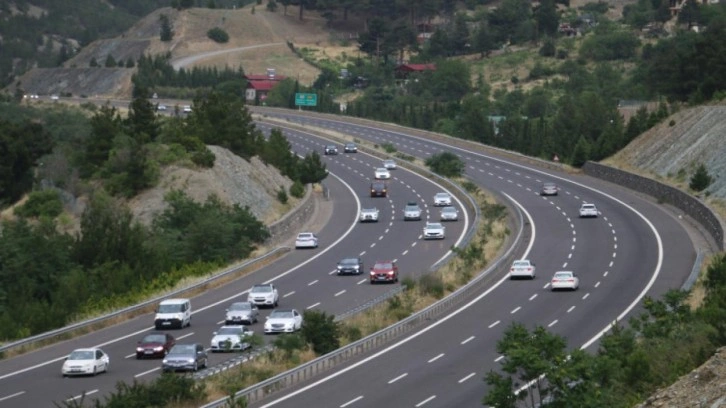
<point>306,99</point>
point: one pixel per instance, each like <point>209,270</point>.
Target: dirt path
<point>184,61</point>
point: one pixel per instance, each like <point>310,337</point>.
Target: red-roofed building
<point>258,86</point>
<point>404,70</point>
<point>258,89</point>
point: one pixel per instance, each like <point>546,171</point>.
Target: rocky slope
<point>234,180</point>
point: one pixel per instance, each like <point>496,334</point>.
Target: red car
<point>154,345</point>
<point>384,271</point>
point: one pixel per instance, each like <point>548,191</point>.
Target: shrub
<point>321,331</point>
<point>218,35</point>
<point>41,203</point>
<point>282,196</point>
<point>389,147</point>
<point>446,164</point>
<point>432,285</point>
<point>203,158</point>
<point>272,5</point>
<point>700,179</point>
<point>297,189</point>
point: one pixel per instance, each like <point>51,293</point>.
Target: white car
<point>283,321</point>
<point>390,164</point>
<point>522,268</point>
<point>434,230</point>
<point>264,294</point>
<point>369,215</point>
<point>306,240</point>
<point>230,338</point>
<point>382,173</point>
<point>85,361</point>
<point>161,107</point>
<point>442,199</point>
<point>187,109</point>
<point>565,280</point>
<point>588,210</point>
<point>411,211</point>
<point>54,97</point>
<point>449,213</point>
<point>549,189</point>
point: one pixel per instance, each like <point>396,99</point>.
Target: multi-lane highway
<point>305,279</point>
<point>632,249</point>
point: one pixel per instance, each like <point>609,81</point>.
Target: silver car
<point>434,230</point>
<point>442,199</point>
<point>549,189</point>
<point>242,313</point>
<point>449,213</point>
<point>230,338</point>
<point>411,211</point>
<point>185,357</point>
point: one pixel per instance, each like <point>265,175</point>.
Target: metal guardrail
<point>76,326</point>
<point>325,363</point>
<point>695,271</point>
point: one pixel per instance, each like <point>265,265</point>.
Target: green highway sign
<point>306,99</point>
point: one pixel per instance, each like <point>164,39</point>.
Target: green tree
<point>312,169</point>
<point>446,164</point>
<point>581,152</point>
<point>46,203</point>
<point>277,151</point>
<point>218,35</point>
<point>700,180</point>
<point>321,331</point>
<point>547,18</point>
<point>110,62</point>
<point>21,144</point>
<point>166,31</point>
<point>142,121</point>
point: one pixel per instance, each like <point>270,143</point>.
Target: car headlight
<point>164,361</point>
<point>139,349</point>
<point>158,348</point>
<point>190,360</point>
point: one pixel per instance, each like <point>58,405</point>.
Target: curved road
<point>634,248</point>
<point>303,278</point>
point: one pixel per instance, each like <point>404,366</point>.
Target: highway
<point>634,248</point>
<point>304,277</point>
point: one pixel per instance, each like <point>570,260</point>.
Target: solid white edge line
<point>201,309</point>
<point>412,336</point>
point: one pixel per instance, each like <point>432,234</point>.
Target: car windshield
<point>386,265</point>
<point>412,208</point>
<point>170,308</point>
<point>349,261</point>
<point>331,147</point>
<point>549,185</point>
<point>240,306</point>
<point>281,314</point>
<point>81,355</point>
<point>563,275</point>
<point>154,338</point>
<point>231,330</point>
<point>448,210</point>
<point>382,170</point>
<point>350,145</point>
<point>263,289</point>
<point>520,263</point>
<point>366,210</point>
<point>182,349</point>
<point>433,226</point>
<point>389,162</point>
<point>442,195</point>
<point>304,236</point>
<point>588,206</point>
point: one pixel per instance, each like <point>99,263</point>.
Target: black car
<point>379,189</point>
<point>350,266</point>
<point>350,148</point>
<point>331,150</point>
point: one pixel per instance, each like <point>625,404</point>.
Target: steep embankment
<point>674,148</point>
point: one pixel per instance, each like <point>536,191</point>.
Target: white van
<point>173,313</point>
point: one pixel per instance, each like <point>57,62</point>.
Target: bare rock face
<point>703,387</point>
<point>233,180</point>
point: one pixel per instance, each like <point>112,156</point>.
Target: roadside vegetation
<point>632,361</point>
<point>51,274</point>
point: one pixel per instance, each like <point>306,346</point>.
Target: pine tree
<point>700,179</point>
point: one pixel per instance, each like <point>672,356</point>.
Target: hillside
<point>245,28</point>
<point>675,147</point>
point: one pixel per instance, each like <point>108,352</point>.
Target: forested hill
<point>45,33</point>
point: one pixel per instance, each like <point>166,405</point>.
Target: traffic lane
<point>54,354</point>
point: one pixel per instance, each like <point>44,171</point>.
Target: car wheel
<point>94,371</point>
<point>205,363</point>
<point>105,368</point>
<point>196,367</point>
